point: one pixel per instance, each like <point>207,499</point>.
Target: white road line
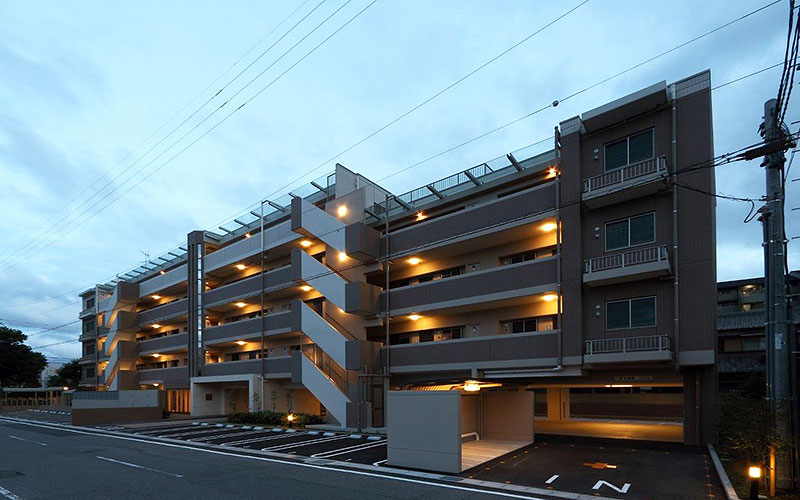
<point>8,494</point>
<point>137,466</point>
<point>28,440</point>
<point>349,449</point>
<point>302,443</point>
<point>552,478</point>
<point>281,461</point>
<point>379,462</point>
<point>263,438</point>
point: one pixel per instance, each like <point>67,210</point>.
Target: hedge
<point>274,418</point>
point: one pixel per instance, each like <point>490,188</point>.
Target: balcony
<point>169,343</point>
<point>89,311</point>
<point>164,375</point>
<point>639,264</point>
<point>276,367</point>
<point>518,350</point>
<point>163,312</point>
<point>249,287</point>
<point>629,349</point>
<point>161,282</point>
<point>626,183</point>
<point>493,284</point>
<point>273,324</point>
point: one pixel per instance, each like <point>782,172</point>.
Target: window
<point>629,150</point>
<point>89,302</point>
<point>527,325</point>
<point>423,278</point>
<point>527,255</point>
<point>436,335</point>
<point>631,313</point>
<point>630,232</point>
<point>88,326</point>
<point>88,348</point>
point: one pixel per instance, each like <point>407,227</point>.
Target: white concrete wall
<point>127,399</point>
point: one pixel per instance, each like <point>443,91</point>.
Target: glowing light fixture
<point>155,384</point>
<point>421,216</point>
<point>549,297</point>
<point>248,235</point>
<point>414,260</point>
<point>548,226</point>
<point>414,317</point>
<point>305,288</point>
<point>551,172</point>
<point>156,296</point>
<point>618,386</point>
<point>156,355</point>
<point>65,388</point>
<point>305,243</point>
<point>241,342</point>
<point>240,267</point>
<point>754,472</point>
<point>472,386</point>
<point>240,304</point>
<point>156,325</point>
<point>342,256</point>
<point>162,272</point>
<point>290,418</point>
<point>341,211</point>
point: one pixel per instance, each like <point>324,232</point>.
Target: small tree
<point>746,427</point>
<point>67,375</point>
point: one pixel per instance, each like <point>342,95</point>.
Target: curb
<point>730,493</point>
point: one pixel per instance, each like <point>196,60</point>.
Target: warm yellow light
<point>414,317</point>
<point>421,216</point>
<point>240,304</point>
<point>341,211</point>
<point>65,388</point>
<point>305,243</point>
<point>414,260</point>
<point>549,297</point>
<point>156,355</point>
<point>247,235</point>
<point>156,325</point>
<point>290,417</point>
<point>342,256</point>
<point>162,272</point>
<point>548,226</point>
<point>754,472</point>
<point>618,386</point>
<point>155,384</point>
<point>240,267</point>
<point>241,342</point>
<point>551,172</point>
<point>156,296</point>
<point>305,288</point>
<point>472,386</point>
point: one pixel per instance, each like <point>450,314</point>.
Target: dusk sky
<point>86,88</point>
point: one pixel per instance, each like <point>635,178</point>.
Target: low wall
<point>104,407</point>
<point>96,416</point>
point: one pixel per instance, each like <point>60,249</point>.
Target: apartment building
<point>741,331</point>
<point>579,277</point>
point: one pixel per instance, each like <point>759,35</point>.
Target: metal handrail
<point>629,344</point>
<point>626,259</point>
<point>626,173</point>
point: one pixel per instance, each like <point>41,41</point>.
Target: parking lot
<point>611,468</point>
<point>343,446</point>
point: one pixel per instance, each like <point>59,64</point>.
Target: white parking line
<point>137,466</point>
<point>302,443</point>
<point>379,462</point>
<point>8,494</point>
<point>376,475</point>
<point>28,440</point>
<point>233,434</point>
<point>348,449</point>
<point>263,438</point>
<point>552,478</point>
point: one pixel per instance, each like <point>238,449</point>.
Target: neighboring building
<point>615,318</point>
<point>48,371</point>
<point>741,331</point>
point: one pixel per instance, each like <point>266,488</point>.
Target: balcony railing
<point>625,174</point>
<point>629,344</point>
<point>627,259</point>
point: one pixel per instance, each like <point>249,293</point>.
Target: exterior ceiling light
<point>156,355</point>
<point>341,210</point>
<point>549,297</point>
<point>65,388</point>
<point>414,260</point>
<point>247,235</point>
<point>472,386</point>
<point>305,288</point>
<point>241,342</point>
<point>305,243</point>
<point>162,272</point>
<point>618,386</point>
<point>414,317</point>
<point>548,226</point>
<point>155,384</point>
<point>240,267</point>
<point>342,256</point>
<point>156,297</point>
<point>156,325</point>
<point>551,172</point>
<point>421,216</point>
<point>241,304</point>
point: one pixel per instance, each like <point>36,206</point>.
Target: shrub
<point>274,418</point>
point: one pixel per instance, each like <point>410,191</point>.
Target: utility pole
<point>778,381</point>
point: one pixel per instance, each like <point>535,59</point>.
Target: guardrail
<point>624,174</point>
<point>629,344</point>
<point>626,259</point>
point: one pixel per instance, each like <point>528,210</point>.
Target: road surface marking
<point>600,483</point>
<point>8,494</point>
<point>376,475</point>
<point>379,462</point>
<point>28,440</point>
<point>348,449</point>
<point>286,446</point>
<point>137,466</point>
<point>262,438</point>
<point>552,478</point>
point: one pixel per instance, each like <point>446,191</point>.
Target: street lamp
<point>755,477</point>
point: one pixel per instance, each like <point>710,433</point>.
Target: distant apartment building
<point>741,330</point>
<point>581,273</point>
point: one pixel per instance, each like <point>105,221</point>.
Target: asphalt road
<point>41,461</point>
